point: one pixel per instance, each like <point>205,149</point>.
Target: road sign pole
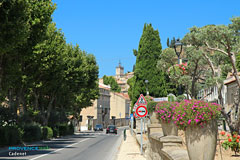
<point>141,138</point>
<point>144,125</point>
<point>132,125</point>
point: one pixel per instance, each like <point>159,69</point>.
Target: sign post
<point>141,112</point>
<point>131,118</point>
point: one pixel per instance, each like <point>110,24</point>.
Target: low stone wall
<point>161,147</point>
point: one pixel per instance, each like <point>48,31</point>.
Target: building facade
<point>109,108</point>
<point>99,112</point>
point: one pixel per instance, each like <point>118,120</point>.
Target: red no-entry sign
<point>141,111</point>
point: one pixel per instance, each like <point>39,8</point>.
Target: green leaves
<point>147,56</point>
<point>112,82</point>
<point>38,69</point>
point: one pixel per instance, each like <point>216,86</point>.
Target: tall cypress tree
<point>147,57</point>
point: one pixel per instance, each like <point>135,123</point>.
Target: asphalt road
<point>81,146</point>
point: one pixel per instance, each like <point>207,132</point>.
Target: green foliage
<point>70,129</point>
<point>190,75</point>
<point>181,98</point>
<point>10,135</point>
<point>55,132</point>
<point>32,132</point>
<point>6,116</point>
<point>112,82</point>
<point>171,98</point>
<point>147,56</point>
<point>151,106</point>
<point>65,129</point>
<point>47,132</point>
<point>15,24</point>
<point>233,143</point>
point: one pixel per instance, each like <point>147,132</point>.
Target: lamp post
<point>146,81</point>
<point>101,111</point>
<point>178,49</point>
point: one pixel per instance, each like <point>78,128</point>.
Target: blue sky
<point>111,29</point>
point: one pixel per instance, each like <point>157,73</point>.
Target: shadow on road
<point>53,144</point>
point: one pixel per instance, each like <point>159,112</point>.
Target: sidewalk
<point>129,149</point>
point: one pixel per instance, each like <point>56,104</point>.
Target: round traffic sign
<point>135,115</point>
<point>141,111</point>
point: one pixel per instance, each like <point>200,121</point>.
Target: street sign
<point>141,111</point>
<point>135,115</point>
<point>135,107</point>
<point>141,100</point>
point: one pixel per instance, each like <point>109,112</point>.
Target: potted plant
<point>199,120</point>
<point>165,113</point>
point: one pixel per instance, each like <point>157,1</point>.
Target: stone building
<point>120,105</point>
<point>109,108</point>
<point>232,89</point>
<point>99,111</point>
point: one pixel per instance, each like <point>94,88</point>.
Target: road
<point>81,146</point>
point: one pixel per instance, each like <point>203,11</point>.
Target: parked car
<point>98,127</point>
<point>111,129</point>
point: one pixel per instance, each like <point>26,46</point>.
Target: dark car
<point>111,129</point>
<point>98,127</point>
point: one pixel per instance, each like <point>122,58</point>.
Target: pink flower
<point>197,120</point>
<point>189,121</point>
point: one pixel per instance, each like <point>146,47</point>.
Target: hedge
<point>47,132</point>
<point>10,135</point>
<point>32,132</point>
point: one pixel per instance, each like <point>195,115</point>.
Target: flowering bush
<point>195,112</point>
<point>165,110</point>
<point>232,142</point>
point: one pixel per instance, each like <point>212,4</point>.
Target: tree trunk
<point>1,71</point>
<point>49,109</point>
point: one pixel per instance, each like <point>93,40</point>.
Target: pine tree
<point>147,57</point>
<point>168,42</point>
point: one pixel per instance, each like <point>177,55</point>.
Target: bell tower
<point>119,71</point>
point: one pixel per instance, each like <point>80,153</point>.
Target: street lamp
<point>146,81</point>
<point>102,114</point>
<point>178,49</point>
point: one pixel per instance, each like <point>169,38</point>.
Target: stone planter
<point>169,129</point>
<point>201,142</point>
<point>153,118</point>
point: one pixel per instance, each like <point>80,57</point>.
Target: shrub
<point>232,142</point>
<point>195,112</point>
<point>151,106</point>
<point>165,110</point>
<point>55,132</point>
<point>70,129</point>
<point>63,129</point>
<point>47,132</point>
<point>32,132</point>
<point>10,135</point>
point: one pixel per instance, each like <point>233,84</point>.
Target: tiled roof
<point>101,85</point>
<point>125,96</point>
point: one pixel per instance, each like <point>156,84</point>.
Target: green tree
<point>222,41</point>
<point>112,82</point>
<point>147,56</point>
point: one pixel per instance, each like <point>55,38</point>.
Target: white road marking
<point>59,149</point>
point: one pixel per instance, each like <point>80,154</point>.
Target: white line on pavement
<point>59,149</point>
